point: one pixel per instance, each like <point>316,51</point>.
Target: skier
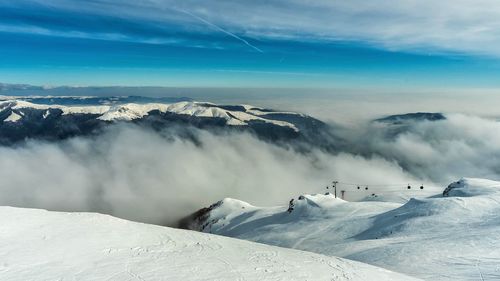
<point>290,206</point>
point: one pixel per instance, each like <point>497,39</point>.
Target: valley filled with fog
<point>160,176</point>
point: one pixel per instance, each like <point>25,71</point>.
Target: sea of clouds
<point>160,177</point>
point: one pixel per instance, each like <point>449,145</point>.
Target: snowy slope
<point>56,118</point>
<point>42,245</point>
<point>13,117</point>
<point>133,111</point>
<point>437,238</point>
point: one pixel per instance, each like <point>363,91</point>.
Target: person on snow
<point>290,206</point>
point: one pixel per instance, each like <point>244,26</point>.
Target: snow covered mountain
<point>452,235</point>
<point>401,119</point>
<point>5,87</point>
<point>54,118</point>
<point>42,245</point>
<point>93,100</point>
<point>394,125</point>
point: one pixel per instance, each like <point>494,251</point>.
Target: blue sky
<point>273,43</point>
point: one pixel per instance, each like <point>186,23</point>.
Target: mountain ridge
<point>458,226</point>
<point>31,117</point>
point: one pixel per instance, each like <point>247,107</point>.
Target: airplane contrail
<point>220,29</point>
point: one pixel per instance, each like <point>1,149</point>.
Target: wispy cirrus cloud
<point>461,26</point>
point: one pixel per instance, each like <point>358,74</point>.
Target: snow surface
<point>13,117</point>
<point>131,111</point>
<point>43,245</point>
<point>435,238</point>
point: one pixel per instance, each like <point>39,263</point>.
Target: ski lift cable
<point>363,185</point>
<point>366,184</point>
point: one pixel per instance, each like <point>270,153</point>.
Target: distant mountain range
<point>99,91</point>
<point>402,119</point>
<point>92,100</point>
<point>55,113</point>
<point>55,118</point>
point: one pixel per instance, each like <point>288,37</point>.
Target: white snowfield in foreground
<point>42,245</point>
<point>131,111</point>
<point>437,238</point>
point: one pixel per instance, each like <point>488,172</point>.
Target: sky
<point>406,44</point>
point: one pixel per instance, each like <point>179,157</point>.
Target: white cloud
<point>462,26</point>
<point>140,175</point>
